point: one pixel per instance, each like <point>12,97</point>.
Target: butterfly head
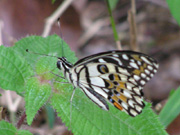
<point>63,64</point>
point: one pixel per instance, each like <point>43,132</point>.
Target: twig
<point>12,106</point>
<point>1,113</point>
<point>122,27</point>
<point>53,18</point>
<point>1,27</point>
<point>132,25</point>
<point>118,42</point>
<point>91,31</point>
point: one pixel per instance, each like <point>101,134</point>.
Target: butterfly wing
<point>140,66</point>
<point>118,77</point>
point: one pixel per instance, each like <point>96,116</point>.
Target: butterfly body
<point>115,76</point>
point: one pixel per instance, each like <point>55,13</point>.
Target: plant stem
<point>132,26</point>
<point>13,117</point>
<point>55,15</point>
<point>21,120</point>
<point>116,37</point>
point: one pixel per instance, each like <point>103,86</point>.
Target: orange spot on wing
<point>118,106</point>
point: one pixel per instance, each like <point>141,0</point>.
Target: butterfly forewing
<point>142,67</point>
<point>115,76</point>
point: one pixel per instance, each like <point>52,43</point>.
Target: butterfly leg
<point>62,82</point>
<point>57,75</point>
<point>71,105</point>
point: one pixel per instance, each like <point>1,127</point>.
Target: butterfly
<point>114,76</point>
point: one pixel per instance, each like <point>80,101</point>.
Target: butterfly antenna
<point>39,53</point>
<point>59,24</point>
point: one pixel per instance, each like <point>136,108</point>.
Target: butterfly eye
<point>59,64</point>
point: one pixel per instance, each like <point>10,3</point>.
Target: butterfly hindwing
<point>94,96</point>
<point>119,88</point>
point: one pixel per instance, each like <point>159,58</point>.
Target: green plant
<point>174,9</point>
<point>171,109</point>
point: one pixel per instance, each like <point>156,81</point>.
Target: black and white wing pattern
<point>115,76</point>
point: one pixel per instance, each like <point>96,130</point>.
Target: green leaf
<point>39,64</point>
<point>44,65</point>
<point>14,70</point>
<point>172,92</point>
<point>37,93</point>
<point>51,45</point>
<point>87,118</point>
<point>171,109</point>
<point>174,9</point>
<point>7,128</point>
<point>24,132</point>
